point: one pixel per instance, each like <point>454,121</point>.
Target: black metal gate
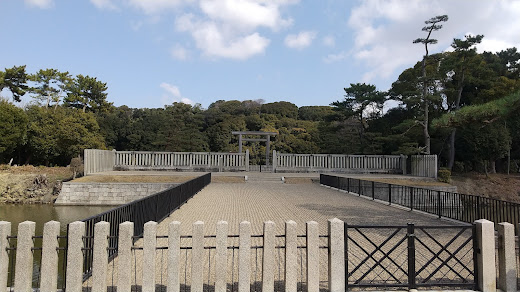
<point>410,256</point>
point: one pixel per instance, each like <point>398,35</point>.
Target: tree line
<point>459,104</point>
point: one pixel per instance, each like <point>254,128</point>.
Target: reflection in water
<point>46,212</point>
<point>42,214</point>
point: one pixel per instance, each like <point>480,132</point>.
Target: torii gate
<point>267,140</point>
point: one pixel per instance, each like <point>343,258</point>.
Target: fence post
<point>49,266</point>
<point>5,230</point>
<point>74,276</point>
<point>359,187</point>
<point>244,256</point>
<point>268,259</point>
<point>174,244</point>
<point>197,257</point>
<point>389,194</point>
<point>411,198</point>
<point>411,256</point>
<point>100,263</point>
<point>336,255</point>
<point>487,279</point>
<point>149,244</point>
<point>313,259</point>
<point>221,256</point>
<point>247,160</point>
<point>506,257</point>
<point>274,161</point>
<point>24,256</point>
<point>439,206</point>
<point>373,191</point>
<point>291,256</point>
<point>124,257</point>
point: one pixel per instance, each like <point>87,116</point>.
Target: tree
<point>431,26</point>
<point>13,121</point>
<point>55,137</point>
<point>464,51</point>
<point>51,86</point>
<point>359,97</point>
<point>87,92</point>
<point>14,79</point>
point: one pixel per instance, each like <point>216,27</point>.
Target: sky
<point>155,52</point>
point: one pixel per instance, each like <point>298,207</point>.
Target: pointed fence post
<point>149,245</point>
<point>268,258</point>
<point>291,257</point>
<point>313,257</point>
<point>221,257</point>
<point>197,257</point>
<point>24,257</point>
<point>174,254</point>
<point>100,263</point>
<point>487,275</point>
<point>506,257</point>
<point>49,266</point>
<point>244,257</point>
<point>336,255</point>
<point>5,231</point>
<point>124,257</point>
<point>74,277</point>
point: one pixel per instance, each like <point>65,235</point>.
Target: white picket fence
<point>339,163</point>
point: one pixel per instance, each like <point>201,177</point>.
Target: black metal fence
<point>152,208</point>
<point>461,207</point>
<point>410,256</point>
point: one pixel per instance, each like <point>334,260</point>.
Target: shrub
<point>444,175</point>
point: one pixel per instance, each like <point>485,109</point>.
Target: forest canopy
<point>461,105</point>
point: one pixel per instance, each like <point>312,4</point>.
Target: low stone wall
<point>97,194</point>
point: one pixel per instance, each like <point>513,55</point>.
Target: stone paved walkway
<point>262,201</point>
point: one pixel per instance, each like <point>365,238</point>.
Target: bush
<point>458,166</point>
<point>444,175</point>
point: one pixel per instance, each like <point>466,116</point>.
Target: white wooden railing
<point>139,160</point>
<point>339,162</point>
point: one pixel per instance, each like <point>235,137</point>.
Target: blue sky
<point>151,53</point>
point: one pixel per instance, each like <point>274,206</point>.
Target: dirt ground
<point>30,184</point>
<point>498,186</point>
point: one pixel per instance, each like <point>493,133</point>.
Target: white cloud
<point>384,30</point>
<point>329,41</point>
<point>157,6</point>
<point>104,4</point>
<point>44,4</point>
<point>180,53</point>
<point>220,28</point>
<point>173,94</point>
<point>216,41</point>
<point>332,58</point>
<point>301,40</point>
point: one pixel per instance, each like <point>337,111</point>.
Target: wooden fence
<point>424,165</point>
<point>96,160</point>
<point>339,163</point>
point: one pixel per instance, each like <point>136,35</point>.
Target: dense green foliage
<point>459,98</point>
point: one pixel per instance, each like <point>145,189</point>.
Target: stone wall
<point>98,194</point>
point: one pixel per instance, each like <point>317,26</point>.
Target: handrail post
<point>439,204</point>
<point>373,191</point>
<point>411,256</point>
<point>389,194</point>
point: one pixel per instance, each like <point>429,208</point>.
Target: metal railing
<point>461,207</point>
<point>152,208</point>
<point>410,256</point>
